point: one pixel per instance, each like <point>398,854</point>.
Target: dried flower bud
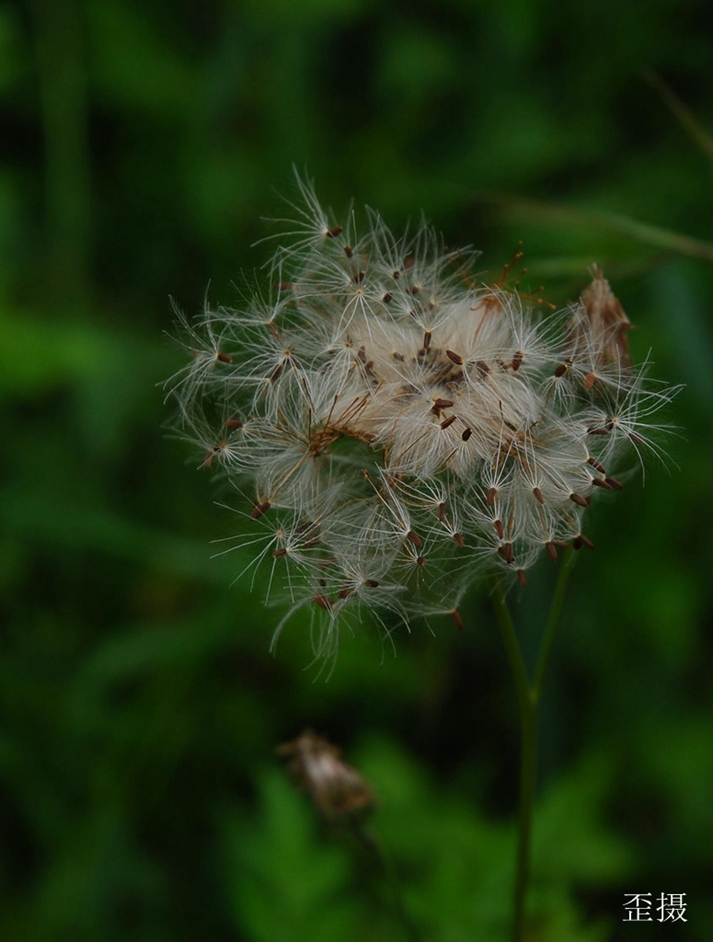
<point>339,791</point>
<point>608,325</point>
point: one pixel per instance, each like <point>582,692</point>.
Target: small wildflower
<point>399,430</point>
<point>339,792</point>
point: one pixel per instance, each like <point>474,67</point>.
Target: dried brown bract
<point>608,324</point>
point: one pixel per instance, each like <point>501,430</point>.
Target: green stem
<point>553,620</point>
<point>528,698</point>
<point>512,646</point>
<point>528,774</point>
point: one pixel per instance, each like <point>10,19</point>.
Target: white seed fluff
<point>400,430</point>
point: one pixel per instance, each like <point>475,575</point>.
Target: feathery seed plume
<point>398,430</point>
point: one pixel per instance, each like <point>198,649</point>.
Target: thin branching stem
<point>553,621</point>
<point>512,645</point>
<point>528,697</point>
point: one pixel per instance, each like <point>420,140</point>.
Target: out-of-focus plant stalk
<point>61,53</point>
<point>667,240</point>
<point>374,848</point>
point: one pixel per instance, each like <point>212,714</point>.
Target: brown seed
<point>577,543</point>
<point>427,340</point>
<point>449,421</point>
<point>399,356</point>
<point>499,528</point>
<point>522,578</point>
<point>600,482</point>
<point>284,286</point>
<point>636,439</point>
<point>208,457</point>
<point>466,434</point>
<point>371,583</point>
<point>442,404</point>
<point>586,541</point>
<point>456,616</point>
<point>415,538</point>
<point>596,465</point>
<point>455,357</point>
<point>348,251</point>
<point>561,370</point>
<point>233,423</point>
<point>597,431</point>
<point>260,508</point>
<point>358,277</point>
<point>578,499</point>
<point>517,361</point>
<point>483,368</point>
<point>492,494</point>
<point>280,552</point>
<point>460,542</point>
<point>617,485</point>
<point>421,561</point>
<point>224,357</point>
<point>333,233</point>
<point>589,380</point>
<point>441,511</point>
<point>551,550</point>
<point>323,602</point>
<point>538,495</point>
<point>506,552</point>
<point>387,297</point>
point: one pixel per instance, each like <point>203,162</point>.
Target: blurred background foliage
<point>142,145</point>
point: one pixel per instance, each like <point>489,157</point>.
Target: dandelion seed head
<point>398,428</point>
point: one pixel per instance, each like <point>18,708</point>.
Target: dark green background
<point>142,145</point>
